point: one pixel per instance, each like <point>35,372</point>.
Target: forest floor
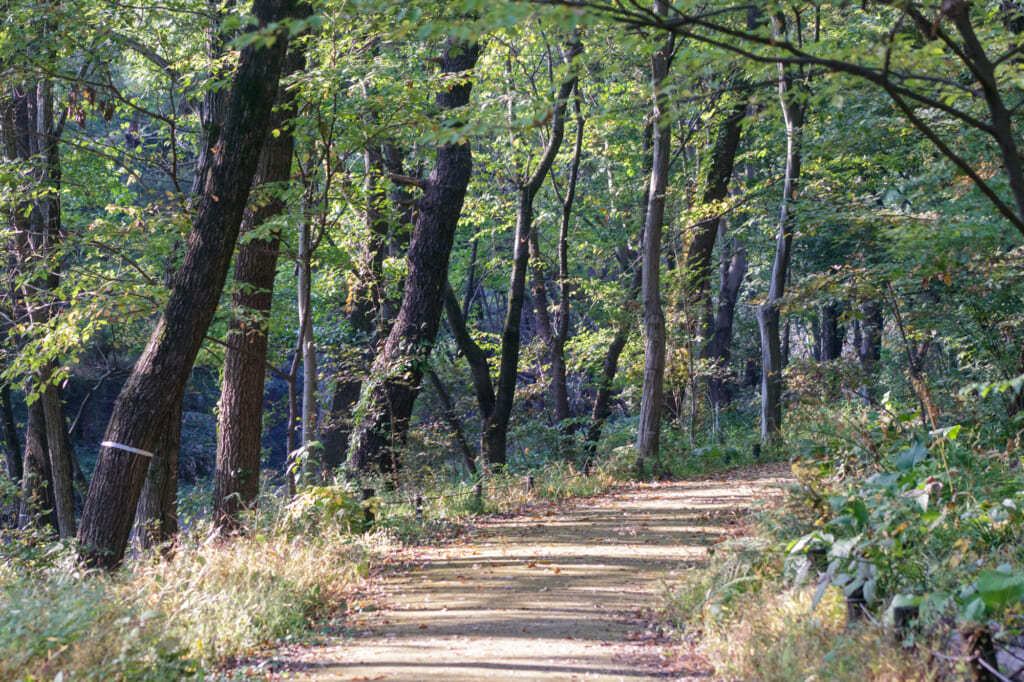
<point>558,591</point>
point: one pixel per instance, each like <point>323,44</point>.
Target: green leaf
<point>974,609</point>
<point>842,549</point>
<point>1000,589</point>
<point>870,590</point>
<point>909,458</point>
<point>860,512</point>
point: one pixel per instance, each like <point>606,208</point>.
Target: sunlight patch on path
<point>555,595</point>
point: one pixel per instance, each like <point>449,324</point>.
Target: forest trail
<point>560,592</point>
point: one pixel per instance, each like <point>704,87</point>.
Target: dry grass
<point>213,603</point>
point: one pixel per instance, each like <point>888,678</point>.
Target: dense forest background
<point>343,242</point>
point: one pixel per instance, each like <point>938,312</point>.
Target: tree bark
<point>448,411</point>
<point>649,431</point>
<point>40,234</point>
<point>307,343</point>
<point>364,309</point>
<point>609,367</point>
<point>734,269</point>
<point>494,438</point>
<point>556,334</point>
<point>832,335</point>
<point>157,511</point>
<point>37,482</point>
<point>161,373</point>
<point>474,354</point>
<point>602,401</point>
<point>768,317</point>
<point>716,189</point>
<point>236,478</point>
<point>60,454</point>
<point>12,446</point>
<point>388,399</point>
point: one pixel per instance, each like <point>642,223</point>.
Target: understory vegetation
<point>209,605</point>
<point>896,554</point>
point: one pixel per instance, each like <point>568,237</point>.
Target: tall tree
<point>633,277</point>
<point>389,396</point>
<point>236,477</point>
<point>161,373</point>
<point>556,333</point>
<point>768,313</point>
<point>719,346</point>
<point>495,425</point>
<point>32,133</point>
<point>649,430</point>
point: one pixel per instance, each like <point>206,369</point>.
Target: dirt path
<point>557,594</point>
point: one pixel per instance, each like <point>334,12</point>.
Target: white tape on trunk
<point>126,448</point>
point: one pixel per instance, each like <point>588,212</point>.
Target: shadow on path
<point>558,594</point>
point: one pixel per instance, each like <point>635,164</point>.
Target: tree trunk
<point>768,317</point>
<point>869,348</point>
<point>44,234</point>
<point>60,454</point>
<point>716,189</point>
<point>37,482</point>
<point>157,512</point>
<point>388,399</point>
<point>831,333</point>
<point>734,269</point>
<point>626,257</point>
<point>236,478</point>
<point>448,411</point>
<point>307,343</point>
<point>161,373</point>
<point>12,447</point>
<point>364,308</point>
<point>649,432</point>
<point>495,428</point>
<point>602,400</point>
<point>555,335</point>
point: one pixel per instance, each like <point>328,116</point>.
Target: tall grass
<point>214,602</point>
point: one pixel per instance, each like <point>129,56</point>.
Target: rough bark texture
<point>12,446</point>
<point>388,399</point>
<point>649,431</point>
<point>161,373</point>
<point>734,269</point>
<point>36,483</point>
<point>236,477</point>
<point>716,189</point>
<point>157,511</point>
<point>772,358</point>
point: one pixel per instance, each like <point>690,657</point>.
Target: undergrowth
<point>215,602</point>
<point>210,602</point>
<point>884,515</point>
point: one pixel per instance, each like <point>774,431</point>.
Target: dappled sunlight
<point>553,594</point>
